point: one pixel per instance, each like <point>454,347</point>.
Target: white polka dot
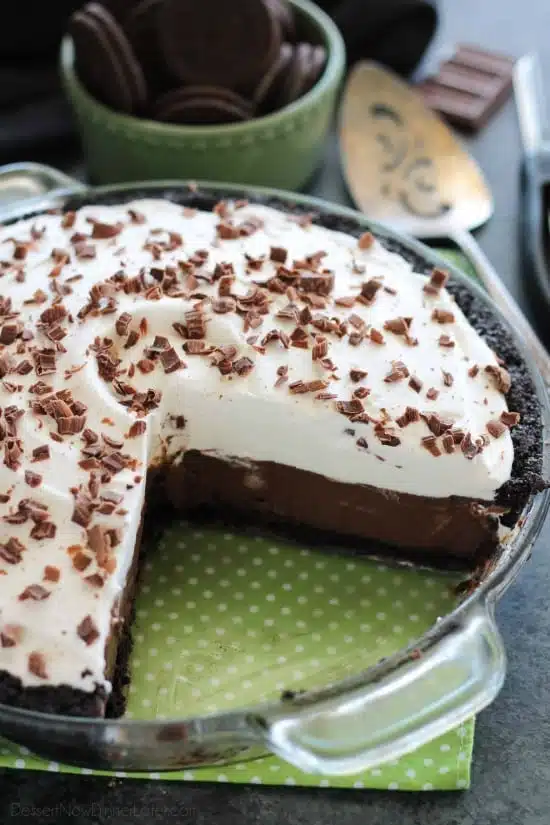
<point>120,774</point>
<point>147,566</point>
<point>237,619</point>
<point>204,618</point>
<point>299,648</point>
<point>246,684</point>
<point>297,674</point>
<point>334,577</point>
<point>287,586</point>
<point>398,603</point>
<point>376,772</point>
<point>281,660</point>
<point>192,580</point>
<point>163,691</point>
<point>154,775</point>
<point>332,651</point>
<point>229,696</point>
<point>358,784</point>
<point>195,692</point>
<point>222,608</point>
<point>365,602</point>
<point>413,617</point>
<point>314,662</point>
<point>132,689</point>
<point>290,781</point>
<point>444,769</point>
<point>270,597</point>
<point>427,786</point>
<point>150,677</point>
<point>86,771</point>
<point>462,756</point>
<point>365,628</point>
<point>444,748</point>
<point>156,626</point>
<point>136,662</point>
<point>461,783</point>
<point>163,579</point>
<point>190,605</point>
<point>380,615</point>
<point>188,775</point>
<point>393,786</point>
<point>324,783</point>
<point>301,625</point>
<point>269,622</point>
<point>173,616</point>
<point>397,628</point>
<point>303,600</point>
<point>167,666</point>
<point>285,611</point>
<point>195,557</point>
<point>224,582</point>
<point>318,589</point>
<point>203,643</point>
<point>251,633</point>
<point>289,563</point>
<point>272,574</point>
<point>241,571</point>
<point>181,546</point>
<point>141,613</point>
<point>366,579</point>
<point>159,602</point>
<point>428,762</point>
<point>145,588</point>
<point>207,594</point>
<point>303,575</point>
<point>238,596</point>
<point>253,608</point>
<point>146,703</point>
<point>221,777</point>
<point>267,647</point>
<point>220,631</point>
<point>249,659</point>
<point>187,628</point>
<point>315,637</point>
<point>411,773</point>
<point>243,548</point>
<point>23,750</point>
<point>413,592</point>
<point>53,766</point>
<point>153,651</point>
<point>255,585</point>
<point>274,551</point>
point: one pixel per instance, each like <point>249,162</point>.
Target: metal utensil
<point>535,179</point>
<point>405,167</point>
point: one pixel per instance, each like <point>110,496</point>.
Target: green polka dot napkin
<point>225,620</point>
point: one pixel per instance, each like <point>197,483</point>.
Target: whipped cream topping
<point>240,332</point>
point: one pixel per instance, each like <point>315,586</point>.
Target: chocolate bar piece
<point>469,87</point>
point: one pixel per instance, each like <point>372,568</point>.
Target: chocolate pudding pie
<point>245,360</point>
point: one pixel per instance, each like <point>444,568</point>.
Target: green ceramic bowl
<point>280,149</point>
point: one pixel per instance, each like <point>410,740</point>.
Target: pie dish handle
<point>29,187</point>
<point>399,708</point>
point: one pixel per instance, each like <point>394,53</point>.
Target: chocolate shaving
<point>299,338</point>
<point>103,231</point>
<point>349,408</point>
<point>432,394</point>
<point>37,665</point>
<point>318,283</point>
<point>276,335</point>
<point>357,374</point>
<point>500,376</point>
<point>137,428</point>
<point>82,509</point>
<point>222,306</point>
<point>195,324</point>
<point>170,361</point>
<point>448,443</point>
<point>278,254</point>
<point>446,341</point>
<point>43,530</point>
<point>430,443</point>
<point>368,291</point>
<point>443,316</point>
<point>496,428</point>
<point>438,279</point>
<point>87,630</point>
<point>11,552</point>
<point>35,592</point>
<point>41,453</point>
<point>510,419</point>
<point>320,348</point>
<point>398,372</point>
<point>376,337</point>
<point>386,437</point>
<point>243,366</point>
<point>448,379</point>
<point>410,416</point>
<point>51,573</point>
<point>366,240</point>
<point>473,371</point>
<point>33,479</point>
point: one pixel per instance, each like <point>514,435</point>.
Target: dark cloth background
<point>34,116</point>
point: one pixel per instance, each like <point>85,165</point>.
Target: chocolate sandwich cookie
<point>216,42</point>
<point>202,105</point>
<point>170,102</point>
<point>317,62</point>
<point>140,24</point>
<point>285,15</point>
<point>296,77</point>
<point>269,88</point>
<point>105,59</point>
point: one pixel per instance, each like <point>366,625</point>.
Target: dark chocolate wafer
<point>105,59</point>
<point>217,42</point>
<point>269,88</point>
<point>204,111</point>
<point>469,87</point>
<point>285,15</point>
<point>169,104</point>
<point>141,27</point>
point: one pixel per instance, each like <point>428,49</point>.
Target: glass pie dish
<point>439,680</point>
